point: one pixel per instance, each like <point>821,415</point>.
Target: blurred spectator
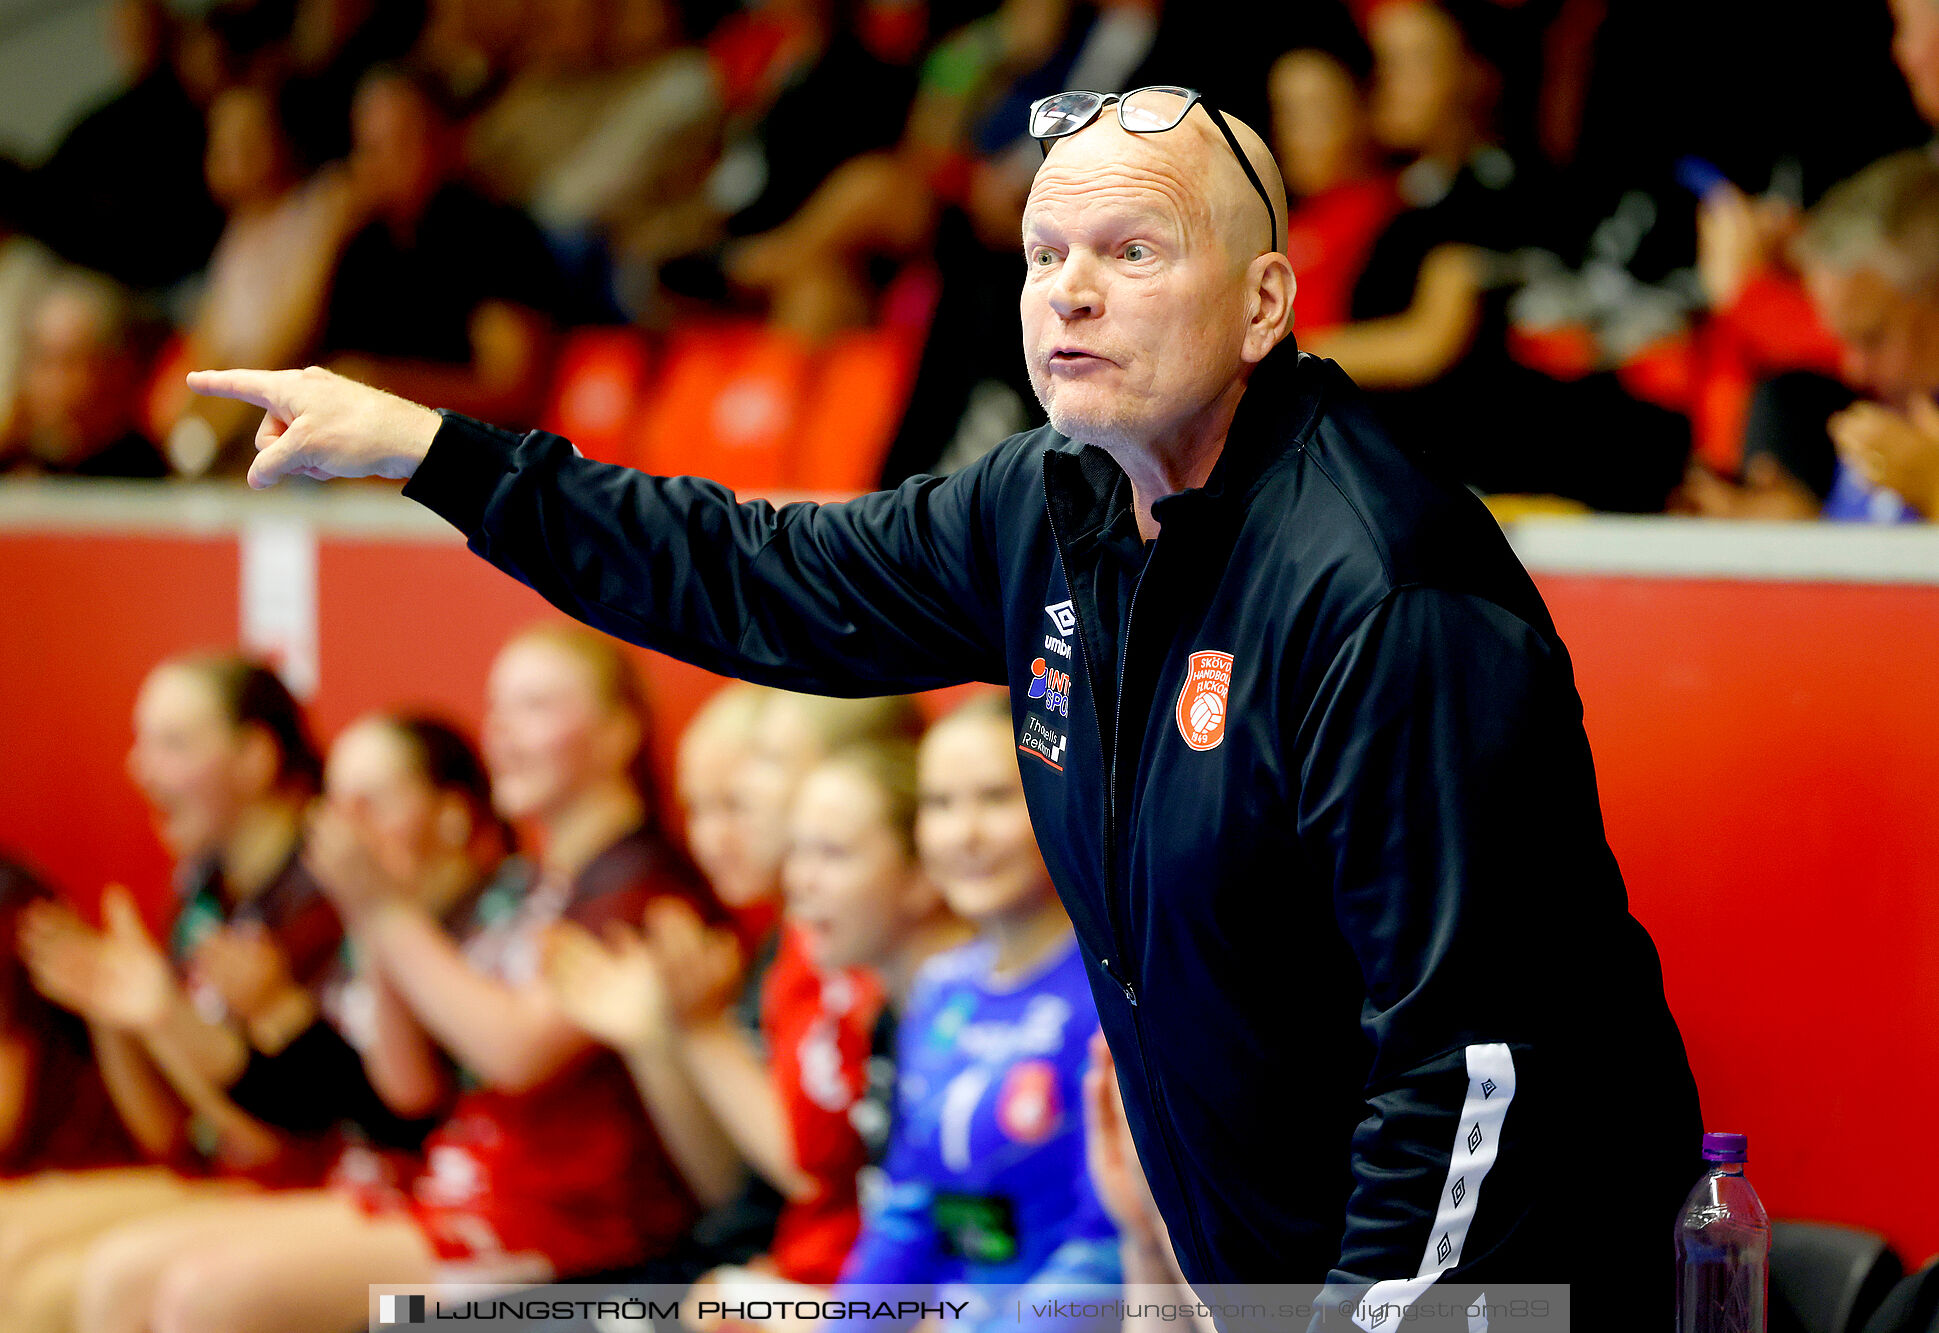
<point>840,85</point>
<point>1869,254</point>
<point>1763,358</point>
<point>1870,257</point>
<point>1719,81</point>
<point>55,1113</point>
<point>443,297</point>
<point>1342,200</point>
<point>817,269</point>
<point>1425,329</point>
<point>1789,465</point>
<point>783,995</point>
<point>1429,337</point>
<point>714,751</point>
<point>26,267</point>
<point>860,899</point>
<point>123,193</point>
<point>269,280</point>
<point>223,757</point>
<point>472,44</point>
<point>332,45</point>
<point>81,385</point>
<point>806,87</point>
<point>494,1198</point>
<point>415,794</point>
<point>968,161</point>
<point>604,133</point>
<point>985,1178</point>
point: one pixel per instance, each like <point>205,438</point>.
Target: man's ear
<point>1270,285</point>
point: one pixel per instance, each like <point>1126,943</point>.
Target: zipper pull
<point>1124,985</point>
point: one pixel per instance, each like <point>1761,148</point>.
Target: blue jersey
<point>985,1173</point>
<point>1855,500</point>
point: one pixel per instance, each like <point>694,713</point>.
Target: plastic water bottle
<point>1723,1246</point>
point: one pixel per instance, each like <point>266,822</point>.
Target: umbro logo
<point>1474,1138</point>
<point>1063,615</point>
<point>1460,1190</point>
<point>1487,1088</point>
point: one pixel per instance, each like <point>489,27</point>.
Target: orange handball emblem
<point>1201,704</point>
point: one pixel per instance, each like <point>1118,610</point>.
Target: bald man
<point>1301,746</point>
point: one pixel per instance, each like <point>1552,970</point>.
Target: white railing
<point>1659,547</point>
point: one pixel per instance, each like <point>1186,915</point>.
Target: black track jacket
<point>1358,942</point>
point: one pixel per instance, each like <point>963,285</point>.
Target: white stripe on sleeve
<point>1477,1136</point>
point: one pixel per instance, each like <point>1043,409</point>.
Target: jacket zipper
<point>1161,1108</point>
<point>1110,855</point>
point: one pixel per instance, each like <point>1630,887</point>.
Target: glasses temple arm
<point>1272,215</point>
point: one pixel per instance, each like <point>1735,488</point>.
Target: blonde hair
<point>839,723</point>
<point>1884,218</point>
<point>731,715</point>
<point>983,706</point>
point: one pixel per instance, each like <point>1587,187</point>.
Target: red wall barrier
<point>1768,754</point>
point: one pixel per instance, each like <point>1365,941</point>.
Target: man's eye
<point>1135,253</point>
<point>1041,256</point>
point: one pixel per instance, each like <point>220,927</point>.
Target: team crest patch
<point>1201,704</point>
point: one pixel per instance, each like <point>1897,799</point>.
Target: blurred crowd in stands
<point>1608,253</point>
<point>420,1011</point>
<point>423,1008</point>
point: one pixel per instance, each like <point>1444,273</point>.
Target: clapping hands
<point>117,976</point>
<point>344,867</point>
<point>636,988</point>
<point>1896,450</point>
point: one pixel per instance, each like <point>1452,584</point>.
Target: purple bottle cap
<point>1726,1148</point>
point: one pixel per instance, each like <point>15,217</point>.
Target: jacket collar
<point>1274,419</point>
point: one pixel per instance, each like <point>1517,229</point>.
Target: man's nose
<point>1076,294</point>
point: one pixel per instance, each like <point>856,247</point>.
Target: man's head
<point>1434,88</point>
<point>1915,46</point>
<point>1151,287</point>
<point>1321,128</point>
<point>1870,256</point>
<point>404,140</point>
<point>81,373</point>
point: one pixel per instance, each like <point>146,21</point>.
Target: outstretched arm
<point>892,592</point>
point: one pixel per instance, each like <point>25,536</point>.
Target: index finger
<point>250,386</point>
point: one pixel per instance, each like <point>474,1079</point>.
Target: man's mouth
<point>1071,356</point>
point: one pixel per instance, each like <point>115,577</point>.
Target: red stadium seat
<point>597,388</point>
<point>855,407</point>
<point>728,406</point>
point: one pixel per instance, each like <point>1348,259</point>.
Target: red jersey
<point>299,919</point>
<point>1328,237</point>
<point>570,1174</point>
<point>817,1028</point>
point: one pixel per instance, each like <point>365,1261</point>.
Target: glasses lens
<point>1063,114</point>
<point>1150,110</point>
